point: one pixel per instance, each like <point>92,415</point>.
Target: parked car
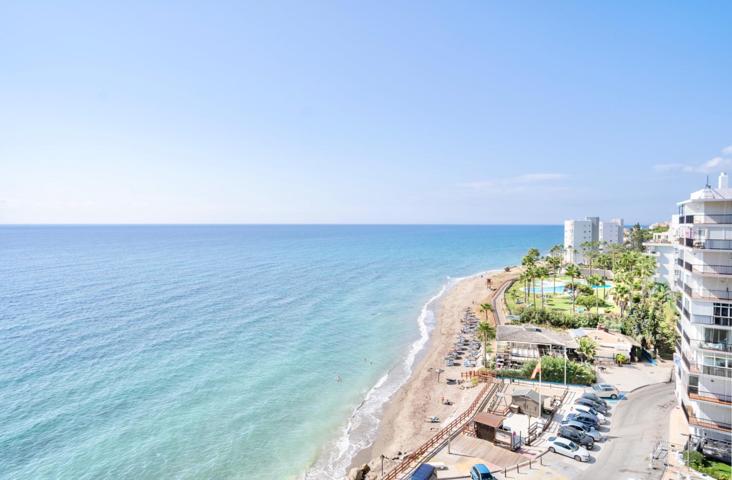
<point>481,472</point>
<point>591,431</point>
<point>568,448</point>
<point>590,411</point>
<point>424,472</point>
<point>582,417</point>
<point>577,436</point>
<point>605,390</point>
<point>593,396</point>
<point>592,404</point>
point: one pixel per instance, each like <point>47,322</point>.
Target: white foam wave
<point>360,431</point>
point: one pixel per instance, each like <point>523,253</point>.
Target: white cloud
<point>718,163</point>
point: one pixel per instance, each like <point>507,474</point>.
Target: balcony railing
<point>711,320</point>
<point>707,293</point>
<point>716,371</point>
<point>708,244</point>
<point>713,218</point>
<point>685,311</point>
<point>712,269</point>
<point>706,423</point>
<point>715,347</point>
<point>696,394</point>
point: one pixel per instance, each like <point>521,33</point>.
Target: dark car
<point>588,420</point>
<point>589,403</point>
<point>577,436</point>
<point>594,398</point>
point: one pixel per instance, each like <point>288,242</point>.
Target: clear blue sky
<point>360,112</point>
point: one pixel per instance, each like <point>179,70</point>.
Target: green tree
<point>486,333</point>
<point>636,238</point>
<point>587,349</point>
<point>590,251</point>
<point>621,294</point>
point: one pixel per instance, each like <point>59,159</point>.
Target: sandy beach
<point>403,425</point>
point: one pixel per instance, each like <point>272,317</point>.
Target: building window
<point>716,335</point>
<point>723,314</point>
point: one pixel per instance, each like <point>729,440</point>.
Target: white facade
<point>703,277</point>
<point>611,232</point>
<point>576,232</point>
<point>591,229</point>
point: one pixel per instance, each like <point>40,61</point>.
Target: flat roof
<point>534,335</point>
<point>490,419</point>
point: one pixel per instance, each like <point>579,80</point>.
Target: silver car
<point>605,390</point>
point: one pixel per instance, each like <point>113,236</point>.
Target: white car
<point>605,390</point>
<point>568,448</point>
<point>591,411</point>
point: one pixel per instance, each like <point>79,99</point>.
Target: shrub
<point>591,301</point>
<point>557,319</point>
<point>621,358</point>
<point>552,370</point>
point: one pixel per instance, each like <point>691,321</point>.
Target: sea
<point>218,352</point>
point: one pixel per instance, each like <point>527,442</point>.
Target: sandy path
<point>403,425</point>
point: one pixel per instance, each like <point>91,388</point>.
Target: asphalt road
<point>636,425</point>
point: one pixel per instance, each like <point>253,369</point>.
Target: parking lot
<point>636,422</point>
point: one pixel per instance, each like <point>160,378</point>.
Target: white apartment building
<point>703,276</point>
<point>591,229</point>
<point>663,247</point>
<point>612,231</point>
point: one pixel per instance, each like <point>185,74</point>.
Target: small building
<point>517,344</point>
<point>528,401</point>
<point>486,424</point>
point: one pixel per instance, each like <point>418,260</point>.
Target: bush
<point>621,359</point>
<point>557,319</point>
<point>591,301</point>
<point>552,370</point>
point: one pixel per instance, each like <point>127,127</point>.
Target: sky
<point>360,112</point>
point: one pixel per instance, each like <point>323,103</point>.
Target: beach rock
<point>359,473</point>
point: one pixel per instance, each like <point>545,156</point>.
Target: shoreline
<point>402,424</point>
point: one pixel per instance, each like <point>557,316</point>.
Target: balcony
<point>719,398</point>
<point>709,294</point>
<point>714,347</point>
<point>710,269</point>
<point>706,423</point>
<point>708,244</point>
<point>711,320</point>
<point>712,218</point>
<point>723,372</point>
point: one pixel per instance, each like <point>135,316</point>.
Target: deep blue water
<point>199,352</point>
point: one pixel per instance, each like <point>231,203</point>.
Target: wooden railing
<point>413,459</point>
<point>702,422</point>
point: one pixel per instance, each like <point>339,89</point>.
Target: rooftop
<point>534,335</point>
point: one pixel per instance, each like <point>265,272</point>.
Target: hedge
<point>552,370</point>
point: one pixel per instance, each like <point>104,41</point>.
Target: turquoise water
<point>198,352</point>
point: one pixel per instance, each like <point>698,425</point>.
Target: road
<point>499,303</point>
<point>636,425</point>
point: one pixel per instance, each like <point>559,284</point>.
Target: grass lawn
<point>718,470</point>
<point>559,302</point>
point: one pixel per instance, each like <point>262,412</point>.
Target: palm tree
<point>595,281</point>
<point>621,294</point>
<point>486,333</point>
<point>590,251</point>
<point>556,251</point>
<point>485,308</point>
<point>555,263</point>
<point>586,348</point>
<point>524,278</point>
<point>541,274</point>
<point>574,272</point>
